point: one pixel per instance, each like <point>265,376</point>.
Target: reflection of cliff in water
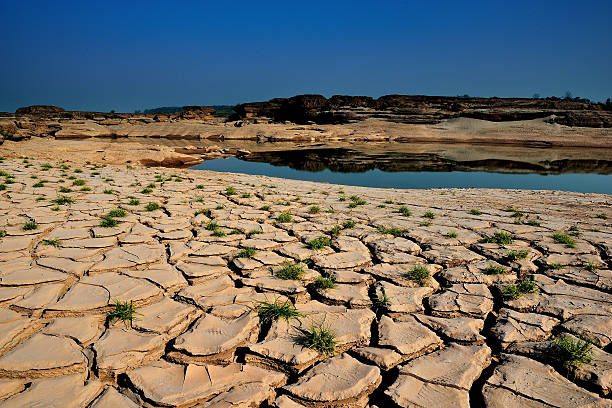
<point>351,161</point>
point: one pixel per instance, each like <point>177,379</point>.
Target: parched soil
<point>419,309</point>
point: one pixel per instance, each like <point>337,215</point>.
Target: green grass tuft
<point>572,355</point>
<point>247,252</point>
<point>52,242</point>
<point>349,224</point>
<point>124,311</point>
<point>108,222</point>
<point>405,211</point>
<point>418,274</point>
<point>291,271</point>
<point>319,338</point>
<point>514,255</point>
<point>319,243</point>
<point>495,270</point>
<point>564,239</point>
<point>429,215</point>
<point>284,217</point>
<point>269,312</point>
<point>499,237</point>
<point>29,226</point>
<point>117,213</point>
<point>152,207</point>
<point>324,282</point>
<point>474,211</point>
<point>519,289</point>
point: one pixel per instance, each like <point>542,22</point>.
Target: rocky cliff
<point>422,109</point>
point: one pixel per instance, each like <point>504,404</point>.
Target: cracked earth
<point>417,307</point>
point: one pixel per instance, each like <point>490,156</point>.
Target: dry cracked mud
<point>412,285</point>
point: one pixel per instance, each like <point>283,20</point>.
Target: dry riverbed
<point>432,298</point>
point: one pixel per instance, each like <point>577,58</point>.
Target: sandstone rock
<point>468,299</point>
<point>450,256</point>
<point>65,391</point>
<point>520,381</point>
<point>166,317</point>
<point>341,380</point>
<point>243,396</point>
<point>111,398</point>
<point>408,337</point>
<point>178,385</point>
<point>402,299</point>
<point>516,327</point>
<point>43,356</point>
<point>460,329</point>
<point>82,329</point>
<point>122,349</point>
<point>442,378</point>
<point>213,340</point>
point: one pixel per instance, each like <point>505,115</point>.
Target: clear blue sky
<point>131,55</point>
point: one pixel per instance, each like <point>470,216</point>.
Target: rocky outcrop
<point>423,109</point>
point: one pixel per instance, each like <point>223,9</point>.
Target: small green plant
<point>495,270</point>
<point>324,282</point>
<point>396,232</point>
<point>246,195</point>
<point>41,198</point>
<point>203,211</point>
<point>452,234</point>
<point>318,337</point>
<point>555,266</point>
<point>230,191</point>
<point>474,211</point>
<point>219,233</point>
<point>425,224</point>
<point>564,239</point>
<point>381,303</point>
<point>78,170</point>
<point>2,233</point>
<point>388,201</point>
<point>572,354</point>
<point>342,198</point>
<point>533,223</point>
<point>65,190</point>
<point>134,201</point>
<point>601,216</point>
<point>108,191</point>
<point>335,231</point>
<point>108,222</point>
<point>405,211</point>
<point>269,312</point>
<point>418,274</point>
<point>254,232</point>
<point>124,311</point>
<point>519,289</point>
<point>349,224</point>
<point>78,182</point>
<point>284,217</point>
<point>291,271</point>
<point>429,215</point>
<point>52,242</point>
<point>315,209</point>
<point>39,184</point>
<point>152,207</point>
<point>85,188</point>
<point>29,226</point>
<point>319,243</point>
<point>212,225</point>
<point>117,213</point>
<point>356,201</point>
<point>219,207</point>
<point>500,237</point>
<point>200,186</point>
<point>514,255</point>
<point>247,252</point>
<point>590,266</point>
<point>146,190</point>
<point>235,231</point>
<point>265,208</point>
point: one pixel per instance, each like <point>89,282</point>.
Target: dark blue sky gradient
<point>134,55</point>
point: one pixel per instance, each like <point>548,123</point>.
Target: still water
<point>374,176</point>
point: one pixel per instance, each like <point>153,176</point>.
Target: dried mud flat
<point>419,309</point>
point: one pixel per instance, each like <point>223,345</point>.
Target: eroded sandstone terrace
<point>434,298</point>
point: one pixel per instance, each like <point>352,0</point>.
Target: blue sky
<point>135,55</point>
